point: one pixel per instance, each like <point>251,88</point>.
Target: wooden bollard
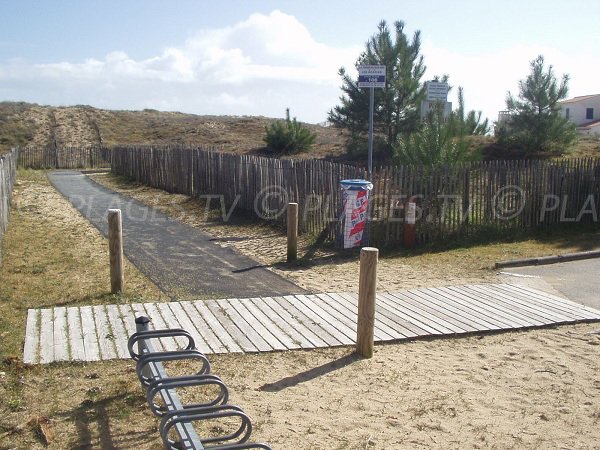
<point>115,249</point>
<point>367,287</point>
<point>292,231</point>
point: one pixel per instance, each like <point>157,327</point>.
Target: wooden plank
<point>296,321</point>
<point>475,308</point>
<point>88,329</point>
<point>60,339</point>
<point>443,316</point>
<point>481,321</point>
<point>189,326</point>
<point>331,319</point>
<point>75,334</point>
<point>563,307</point>
<point>403,321</point>
<point>169,344</point>
<point>338,308</point>
<point>273,327</point>
<point>413,315</point>
<point>447,311</point>
<point>489,307</point>
<point>106,338</point>
<point>386,328</point>
<point>205,331</point>
<point>171,321</point>
<point>128,317</point>
<point>499,303</point>
<point>296,339</point>
<point>308,318</point>
<point>47,336</point>
<point>224,340</point>
<point>553,301</point>
<point>118,331</point>
<point>523,304</point>
<point>263,325</point>
<point>230,327</point>
<point>244,324</point>
<point>32,337</point>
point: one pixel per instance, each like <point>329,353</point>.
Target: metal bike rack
<point>175,415</point>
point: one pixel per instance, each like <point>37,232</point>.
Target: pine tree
<point>441,140</point>
<point>536,126</point>
<point>397,105</point>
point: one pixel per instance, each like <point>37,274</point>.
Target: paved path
<point>577,280</point>
<point>178,258</point>
<point>294,321</point>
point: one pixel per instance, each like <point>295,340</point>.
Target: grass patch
<point>52,256</point>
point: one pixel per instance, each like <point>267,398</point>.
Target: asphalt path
<point>579,281</point>
<point>180,259</point>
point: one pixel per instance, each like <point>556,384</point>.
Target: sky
<point>249,57</point>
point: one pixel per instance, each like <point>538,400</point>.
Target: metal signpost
<point>371,76</point>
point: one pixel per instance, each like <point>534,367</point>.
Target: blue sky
<point>260,57</point>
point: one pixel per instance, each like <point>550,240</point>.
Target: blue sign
<point>371,76</point>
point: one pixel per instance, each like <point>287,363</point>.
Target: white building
<point>584,112</point>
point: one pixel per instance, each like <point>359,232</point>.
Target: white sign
<point>437,91</point>
<point>371,76</point>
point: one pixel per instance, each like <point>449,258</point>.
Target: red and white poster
<point>355,195</point>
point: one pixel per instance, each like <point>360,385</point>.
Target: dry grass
<point>52,256</point>
<point>22,124</point>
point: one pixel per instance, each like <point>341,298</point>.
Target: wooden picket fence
<point>251,183</point>
<point>458,200</point>
<point>481,197</point>
<point>8,175</point>
<point>35,157</point>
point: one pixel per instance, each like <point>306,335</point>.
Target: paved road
<point>178,258</point>
<point>579,281</point>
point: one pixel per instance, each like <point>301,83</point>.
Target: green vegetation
<point>441,140</point>
<point>536,127</point>
<point>289,136</point>
<point>397,106</point>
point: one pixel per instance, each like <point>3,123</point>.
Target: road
<point>579,281</point>
<point>180,259</point>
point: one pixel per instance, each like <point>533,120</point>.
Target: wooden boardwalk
<point>93,333</point>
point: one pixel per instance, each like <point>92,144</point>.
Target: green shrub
<point>288,136</point>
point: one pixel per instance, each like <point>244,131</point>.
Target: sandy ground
<point>531,389</point>
<point>537,389</point>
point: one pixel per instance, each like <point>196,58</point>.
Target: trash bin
<point>352,224</point>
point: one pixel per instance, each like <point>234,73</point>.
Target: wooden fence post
<point>292,231</point>
<point>366,301</point>
<point>115,248</point>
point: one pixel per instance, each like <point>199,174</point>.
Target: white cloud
<point>259,66</point>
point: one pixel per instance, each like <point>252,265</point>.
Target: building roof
<point>579,99</point>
